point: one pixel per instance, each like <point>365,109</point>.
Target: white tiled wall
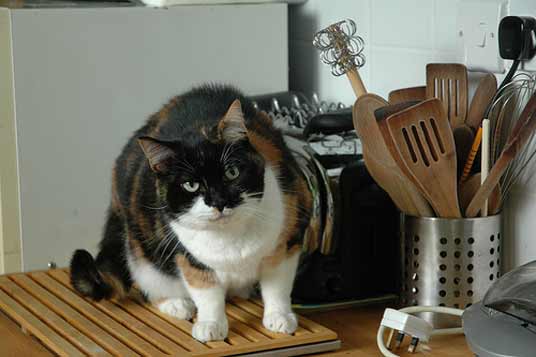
<point>401,36</point>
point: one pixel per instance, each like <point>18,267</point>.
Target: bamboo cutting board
<point>45,306</point>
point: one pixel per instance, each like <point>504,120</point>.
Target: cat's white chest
<point>235,250</point>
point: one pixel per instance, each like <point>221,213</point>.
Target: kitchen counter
<point>356,328</point>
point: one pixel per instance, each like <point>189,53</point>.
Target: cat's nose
<point>220,206</point>
<point>216,201</point>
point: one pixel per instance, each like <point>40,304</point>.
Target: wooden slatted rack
<point>45,306</point>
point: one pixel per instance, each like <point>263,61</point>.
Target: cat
<point>207,201</point>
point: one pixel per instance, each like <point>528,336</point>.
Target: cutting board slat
<point>46,305</point>
<point>51,318</point>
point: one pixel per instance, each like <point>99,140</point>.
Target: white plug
<point>406,324</point>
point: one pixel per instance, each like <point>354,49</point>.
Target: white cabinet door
<point>85,79</point>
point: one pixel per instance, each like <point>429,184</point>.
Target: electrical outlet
<point>478,23</point>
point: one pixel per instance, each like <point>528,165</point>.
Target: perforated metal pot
<point>449,262</point>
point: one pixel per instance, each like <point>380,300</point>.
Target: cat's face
<point>209,183</point>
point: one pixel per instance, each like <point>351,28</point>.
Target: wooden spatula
<point>380,163</point>
<point>423,139</point>
<point>448,83</point>
<point>468,190</point>
<point>519,136</point>
<point>487,87</point>
<point>407,94</point>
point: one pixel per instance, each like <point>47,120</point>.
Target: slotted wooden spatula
<point>448,83</point>
<point>423,138</point>
<point>381,164</point>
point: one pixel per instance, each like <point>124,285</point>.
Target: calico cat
<point>207,200</point>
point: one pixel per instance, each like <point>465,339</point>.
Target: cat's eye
<point>190,186</point>
<point>231,172</point>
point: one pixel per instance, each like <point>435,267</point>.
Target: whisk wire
<point>504,112</point>
<point>341,48</point>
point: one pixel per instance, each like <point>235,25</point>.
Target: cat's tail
<point>89,281</point>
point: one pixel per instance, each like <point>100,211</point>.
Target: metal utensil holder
<point>448,262</point>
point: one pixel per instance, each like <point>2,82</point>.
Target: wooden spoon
<point>518,138</point>
<point>468,190</point>
<point>448,83</point>
<point>487,87</point>
<point>380,163</point>
<point>423,139</point>
<point>407,94</point>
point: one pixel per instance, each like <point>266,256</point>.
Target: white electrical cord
<point>416,309</point>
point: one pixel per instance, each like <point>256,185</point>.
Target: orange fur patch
<point>265,148</point>
<point>118,288</point>
<point>197,278</point>
<point>135,248</point>
<point>137,214</point>
<point>262,115</point>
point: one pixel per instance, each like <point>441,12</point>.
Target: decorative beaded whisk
<point>342,49</point>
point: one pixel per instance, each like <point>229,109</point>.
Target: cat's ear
<point>232,126</point>
<point>159,154</point>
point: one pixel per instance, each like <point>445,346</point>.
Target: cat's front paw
<point>280,322</point>
<point>183,309</point>
<point>205,331</point>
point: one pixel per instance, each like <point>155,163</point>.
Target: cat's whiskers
<point>161,235</point>
<point>169,239</point>
<point>155,208</point>
<point>225,150</point>
<point>170,253</point>
<point>158,237</point>
<point>232,160</point>
<point>185,166</point>
<point>253,195</point>
<point>295,207</point>
<point>163,244</point>
<point>259,213</point>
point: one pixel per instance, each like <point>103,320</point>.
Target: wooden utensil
<point>423,138</point>
<point>380,163</point>
<point>484,160</point>
<point>487,87</point>
<point>448,83</point>
<point>463,138</point>
<point>468,189</point>
<point>407,94</point>
<point>519,136</point>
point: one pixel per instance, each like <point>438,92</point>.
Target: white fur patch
<point>276,286</point>
<point>210,330</point>
<point>234,245</point>
<point>154,283</point>
<point>279,322</point>
<point>180,308</point>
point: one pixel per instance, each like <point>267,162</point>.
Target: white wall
<point>401,37</point>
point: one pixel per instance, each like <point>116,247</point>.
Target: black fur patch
<point>85,277</point>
